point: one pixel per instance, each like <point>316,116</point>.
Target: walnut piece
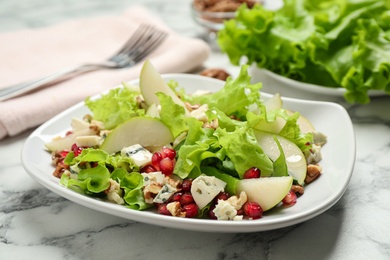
<point>213,124</point>
<point>215,73</point>
<point>298,189</point>
<point>222,5</point>
<point>313,172</point>
<point>172,182</point>
<point>151,191</point>
<point>175,209</point>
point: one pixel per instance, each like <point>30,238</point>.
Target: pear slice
<point>304,124</point>
<point>295,159</point>
<point>79,128</point>
<point>267,191</point>
<point>145,131</point>
<point>151,83</point>
<point>275,102</point>
<point>272,127</point>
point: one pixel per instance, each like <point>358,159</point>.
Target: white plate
<point>338,161</point>
<point>275,83</point>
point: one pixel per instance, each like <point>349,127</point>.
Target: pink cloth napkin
<point>29,54</point>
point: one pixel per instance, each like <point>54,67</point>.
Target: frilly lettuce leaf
<point>89,180</point>
<point>243,150</point>
<point>172,114</point>
<point>96,168</point>
<point>333,43</point>
<point>234,98</point>
<point>132,184</point>
<point>115,107</point>
<point>199,145</point>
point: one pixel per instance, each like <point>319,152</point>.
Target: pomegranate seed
<point>76,150</point>
<point>69,133</point>
<point>186,198</point>
<point>162,209</point>
<point>290,199</point>
<point>253,210</point>
<point>211,213</point>
<point>186,185</point>
<point>166,166</point>
<point>252,173</point>
<point>147,169</point>
<point>240,211</point>
<point>221,196</point>
<point>156,159</point>
<point>191,210</point>
<point>168,152</point>
<point>64,153</point>
<point>176,196</point>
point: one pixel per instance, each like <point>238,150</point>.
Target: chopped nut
<point>297,189</point>
<point>114,193</point>
<point>96,126</point>
<point>213,124</point>
<point>222,5</point>
<point>141,102</point>
<point>172,182</point>
<point>238,202</point>
<point>191,107</point>
<point>87,118</point>
<point>58,161</point>
<point>313,172</point>
<point>175,209</point>
<point>59,170</point>
<point>151,190</point>
<point>200,113</point>
<point>215,73</point>
<point>105,133</point>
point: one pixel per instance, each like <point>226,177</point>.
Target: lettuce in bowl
<point>333,43</point>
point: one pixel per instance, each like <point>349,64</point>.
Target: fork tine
<point>149,46</point>
<point>133,39</point>
<point>141,43</point>
<point>147,35</point>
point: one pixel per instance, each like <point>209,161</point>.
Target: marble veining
<point>35,223</point>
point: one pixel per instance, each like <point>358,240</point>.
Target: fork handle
<point>16,90</point>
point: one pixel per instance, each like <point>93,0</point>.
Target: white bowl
<point>275,83</point>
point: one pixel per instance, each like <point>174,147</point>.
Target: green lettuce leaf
<point>199,145</point>
<point>172,115</point>
<point>243,150</point>
<point>96,168</point>
<point>280,165</point>
<point>115,107</point>
<point>89,180</point>
<point>132,184</point>
<point>235,98</point>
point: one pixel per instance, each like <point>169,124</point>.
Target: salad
<point>333,43</point>
<point>226,155</point>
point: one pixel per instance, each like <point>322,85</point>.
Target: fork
<point>144,40</point>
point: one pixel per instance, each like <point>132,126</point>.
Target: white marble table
<point>35,223</point>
